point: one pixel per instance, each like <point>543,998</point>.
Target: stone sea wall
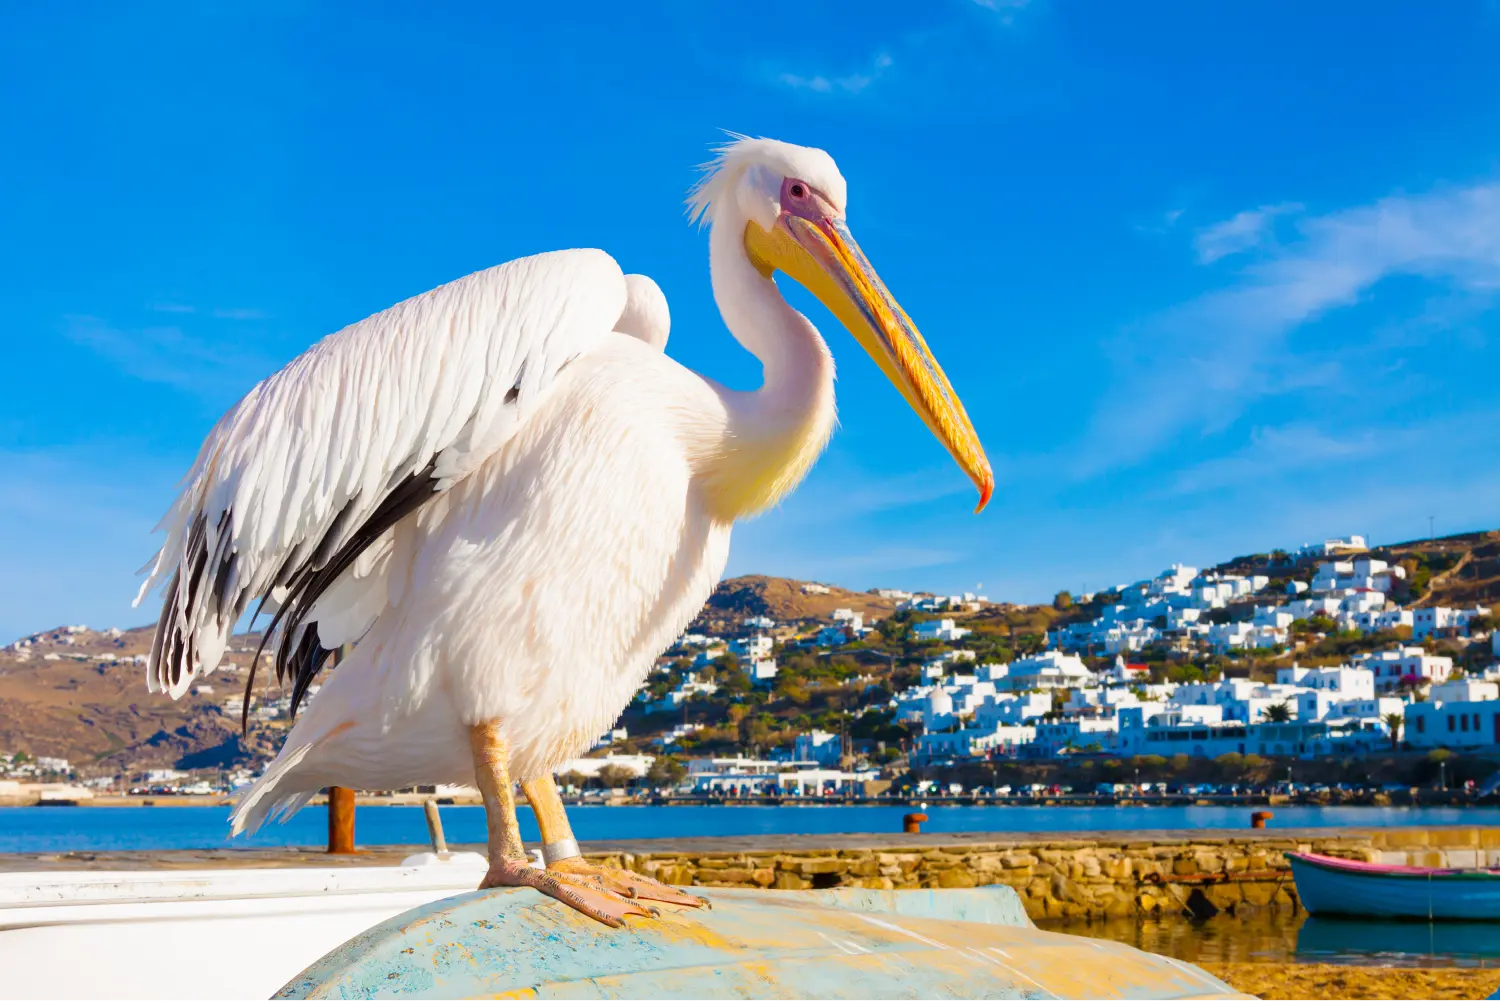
<point>1063,876</point>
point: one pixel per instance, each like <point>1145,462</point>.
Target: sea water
<point>85,828</point>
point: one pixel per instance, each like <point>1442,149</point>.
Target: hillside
<point>1467,568</point>
<point>785,601</point>
<point>79,694</point>
<point>1458,571</point>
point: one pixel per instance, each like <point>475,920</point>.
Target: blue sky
<point>1211,278</point>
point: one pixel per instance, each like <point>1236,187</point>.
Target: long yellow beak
<point>823,257</point>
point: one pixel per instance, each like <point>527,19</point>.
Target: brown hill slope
<point>1459,571</point>
<point>1465,569</point>
<point>81,695</point>
<point>785,601</point>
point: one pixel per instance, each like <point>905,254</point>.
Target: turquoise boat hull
<point>842,943</point>
<point>1329,886</point>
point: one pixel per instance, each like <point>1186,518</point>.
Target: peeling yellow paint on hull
<point>846,943</point>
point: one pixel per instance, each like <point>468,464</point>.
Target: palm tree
<point>1394,722</point>
<point>1279,712</point>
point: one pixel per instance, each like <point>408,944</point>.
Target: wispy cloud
<point>848,84</point>
<point>1275,451</point>
<point>1198,365</point>
<point>1243,231</point>
<point>1005,10</point>
<point>167,355</point>
<point>218,313</point>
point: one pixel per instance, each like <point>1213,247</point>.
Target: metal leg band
<point>559,850</point>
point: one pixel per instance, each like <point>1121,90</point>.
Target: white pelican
<point>514,509</point>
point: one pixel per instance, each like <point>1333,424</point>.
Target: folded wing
<point>294,493</point>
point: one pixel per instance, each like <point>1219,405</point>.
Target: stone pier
<point>1073,874</point>
<point>1117,874</point>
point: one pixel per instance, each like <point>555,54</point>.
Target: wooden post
<point>340,802</point>
<point>340,821</point>
<point>435,826</point>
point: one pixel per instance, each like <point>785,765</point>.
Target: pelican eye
<point>798,191</point>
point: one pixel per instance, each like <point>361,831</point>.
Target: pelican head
<point>793,199</point>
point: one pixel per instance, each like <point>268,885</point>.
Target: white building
<point>1306,608</point>
<point>1122,673</point>
<point>1456,714</point>
<point>761,671</point>
<point>825,749</point>
<point>1274,616</point>
<point>1348,682</point>
<point>1332,547</point>
<point>973,743</point>
<point>1366,709</point>
<point>1053,737</point>
<point>831,636</point>
<point>1411,664</point>
<point>1047,670</point>
<point>941,630</point>
<point>636,764</point>
<point>1145,728</point>
<point>1427,621</point>
<point>757,647</point>
<point>1394,618</point>
<point>848,617</point>
<point>686,689</point>
<point>1011,710</point>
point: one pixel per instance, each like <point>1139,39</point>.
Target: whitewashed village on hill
<point>1201,664</point>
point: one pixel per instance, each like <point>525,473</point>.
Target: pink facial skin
<point>798,198</point>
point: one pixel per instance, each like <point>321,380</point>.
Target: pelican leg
<point>508,863</point>
<point>561,852</point>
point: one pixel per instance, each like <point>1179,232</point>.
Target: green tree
<point>615,776</point>
<point>734,683</point>
<point>1278,712</point>
<point>1063,601</point>
<point>1394,722</point>
<point>666,771</point>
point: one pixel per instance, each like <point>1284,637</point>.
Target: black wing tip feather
<point>174,650</point>
<point>300,654</point>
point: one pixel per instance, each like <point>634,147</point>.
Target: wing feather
<point>318,462</point>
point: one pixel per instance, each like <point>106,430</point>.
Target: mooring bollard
<point>340,821</point>
<point>912,823</point>
<point>1259,817</point>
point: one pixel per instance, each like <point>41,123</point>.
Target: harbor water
<point>85,828</point>
<point>1281,937</point>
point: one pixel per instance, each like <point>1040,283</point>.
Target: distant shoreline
<point>1430,799</point>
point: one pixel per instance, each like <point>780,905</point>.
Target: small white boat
<point>205,933</point>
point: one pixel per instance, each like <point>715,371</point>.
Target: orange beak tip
<point>986,488</point>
